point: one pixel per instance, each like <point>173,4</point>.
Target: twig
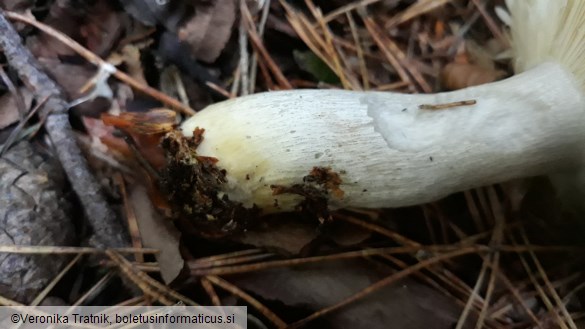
<point>383,283</point>
<point>539,289</point>
<point>230,261</point>
<point>235,81</point>
<point>95,289</point>
<point>130,217</point>
<point>392,86</point>
<point>96,60</point>
<point>318,259</point>
<point>220,90</point>
<point>346,9</point>
<point>440,273</point>
<point>257,305</point>
<point>474,211</point>
<point>17,94</point>
<point>43,294</point>
<point>322,42</point>
<point>491,24</point>
<point>261,50</point>
<point>552,291</point>
<point>447,105</point>
<point>15,133</point>
<point>360,52</point>
<point>9,302</point>
<point>107,229</point>
<point>38,250</point>
<point>415,10</point>
<point>475,294</point>
<point>148,285</point>
<point>390,55</point>
<point>244,55</point>
<point>134,301</point>
<point>208,287</point>
<point>498,214</point>
<point>394,236</point>
<point>260,29</point>
<point>329,48</point>
<point>395,55</point>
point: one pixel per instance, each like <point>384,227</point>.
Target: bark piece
<point>33,211</point>
<point>108,230</point>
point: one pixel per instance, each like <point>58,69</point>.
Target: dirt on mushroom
<point>192,183</point>
<point>317,187</point>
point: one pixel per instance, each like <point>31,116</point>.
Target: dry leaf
<point>101,27</point>
<point>9,111</point>
<point>284,235</point>
<point>64,18</point>
<point>463,75</point>
<point>95,24</point>
<point>345,234</point>
<point>146,130</point>
<point>155,121</point>
<point>208,31</point>
<point>158,233</point>
<point>405,304</point>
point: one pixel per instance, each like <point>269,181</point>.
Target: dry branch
<point>108,230</point>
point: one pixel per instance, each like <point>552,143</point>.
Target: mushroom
<point>382,149</point>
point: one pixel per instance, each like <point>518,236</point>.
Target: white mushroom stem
<point>394,150</point>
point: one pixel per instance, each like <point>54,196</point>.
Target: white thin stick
<point>261,27</point>
<point>243,42</point>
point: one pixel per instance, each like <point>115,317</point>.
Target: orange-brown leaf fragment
<point>462,75</point>
<point>152,122</point>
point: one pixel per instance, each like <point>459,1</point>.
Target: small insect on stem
<point>446,105</point>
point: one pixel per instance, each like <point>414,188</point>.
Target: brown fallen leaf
<point>208,31</point>
<point>95,24</point>
<point>345,234</point>
<point>283,235</point>
<point>9,111</point>
<point>102,27</point>
<point>406,304</point>
<point>291,235</point>
<point>146,130</point>
<point>155,121</point>
<point>63,17</point>
<point>205,26</point>
<point>463,75</point>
